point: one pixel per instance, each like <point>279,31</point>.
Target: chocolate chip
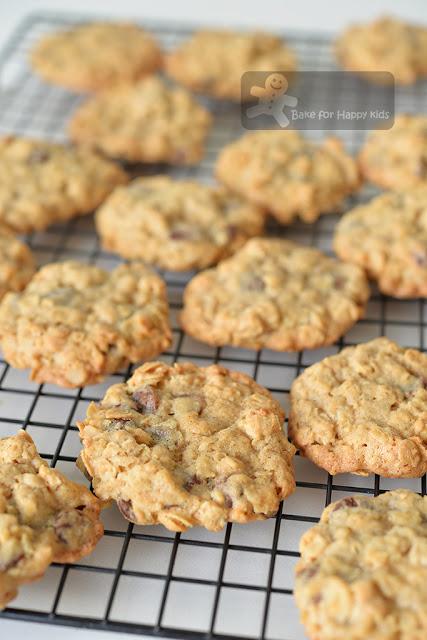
<point>420,258</point>
<point>228,502</point>
<point>191,482</point>
<point>4,566</point>
<point>125,508</point>
<point>147,399</point>
<point>38,156</point>
<point>81,507</point>
<point>61,525</point>
<point>180,234</point>
<point>346,502</point>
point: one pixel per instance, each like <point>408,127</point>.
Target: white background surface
<point>326,16</point>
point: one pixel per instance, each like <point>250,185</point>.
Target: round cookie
<point>213,62</point>
<point>387,44</point>
<point>143,122</point>
<point>75,323</point>
<point>183,446</point>
<point>44,517</point>
<point>176,225</point>
<point>363,572</point>
<point>396,158</point>
<point>388,238</point>
<point>364,411</point>
<point>96,56</point>
<point>274,294</point>
<point>42,183</point>
<point>17,264</point>
<point>287,174</point>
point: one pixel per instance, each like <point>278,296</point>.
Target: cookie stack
<point>182,445</point>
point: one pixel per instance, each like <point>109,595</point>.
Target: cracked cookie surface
<point>42,183</point>
<point>75,323</point>
<point>386,44</point>
<point>388,238</point>
<point>176,225</point>
<point>364,410</point>
<point>274,294</point>
<point>213,62</point>
<point>96,56</point>
<point>397,158</point>
<point>17,264</point>
<point>143,122</point>
<point>183,446</point>
<point>44,517</point>
<point>288,175</point>
<point>363,569</point>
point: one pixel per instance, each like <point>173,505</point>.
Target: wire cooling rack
<point>234,584</point>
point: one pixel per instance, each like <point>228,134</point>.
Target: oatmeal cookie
<point>287,174</point>
<point>183,445</point>
<point>213,62</point>
<point>388,238</point>
<point>44,517</point>
<point>42,183</point>
<point>364,411</point>
<point>17,264</point>
<point>176,225</point>
<point>274,294</point>
<point>75,323</point>
<point>387,44</point>
<point>363,569</point>
<point>144,122</point>
<point>96,56</point>
<point>396,158</point>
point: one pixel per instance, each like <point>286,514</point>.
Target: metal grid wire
<point>232,584</point>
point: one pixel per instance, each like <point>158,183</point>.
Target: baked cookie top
<point>17,263</point>
<point>183,445</point>
<point>176,225</point>
<point>363,572</point>
<point>42,183</point>
<point>44,517</point>
<point>396,158</point>
<point>143,122</point>
<point>274,294</point>
<point>96,56</point>
<point>213,62</point>
<point>387,44</point>
<point>364,410</point>
<point>75,323</point>
<point>287,174</point>
<point>388,238</point>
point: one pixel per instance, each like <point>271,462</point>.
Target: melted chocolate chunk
<point>346,502</point>
<point>191,482</point>
<point>147,399</point>
<point>420,258</point>
<point>125,508</point>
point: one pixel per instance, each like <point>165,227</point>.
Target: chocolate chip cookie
<point>387,44</point>
<point>44,517</point>
<point>388,238</point>
<point>176,225</point>
<point>397,158</point>
<point>213,62</point>
<point>287,174</point>
<point>17,263</point>
<point>75,323</point>
<point>274,294</point>
<point>364,411</point>
<point>183,446</point>
<point>363,570</point>
<point>42,183</point>
<point>95,56</point>
<point>143,122</point>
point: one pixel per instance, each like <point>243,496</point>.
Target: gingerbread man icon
<point>272,99</point>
